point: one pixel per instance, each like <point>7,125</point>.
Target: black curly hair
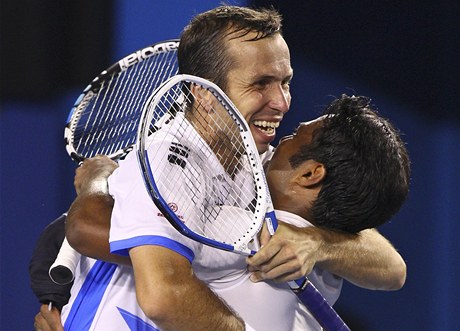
<point>367,166</point>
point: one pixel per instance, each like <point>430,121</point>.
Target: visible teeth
<point>266,124</point>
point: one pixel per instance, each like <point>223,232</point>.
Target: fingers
<point>93,173</point>
<point>264,235</point>
<point>276,250</point>
<point>274,262</point>
<point>48,320</point>
<point>40,323</point>
<point>263,256</point>
<point>288,255</point>
<point>99,161</point>
<point>279,274</point>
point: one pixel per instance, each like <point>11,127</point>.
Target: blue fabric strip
<point>134,322</point>
<point>122,247</point>
<point>89,297</point>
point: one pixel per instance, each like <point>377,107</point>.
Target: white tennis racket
<point>105,117</point>
<point>200,165</point>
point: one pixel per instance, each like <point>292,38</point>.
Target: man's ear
<point>310,173</point>
<point>203,97</point>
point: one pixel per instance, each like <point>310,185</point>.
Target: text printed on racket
<point>147,52</point>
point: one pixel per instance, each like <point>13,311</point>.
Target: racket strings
<point>128,97</point>
<point>120,102</point>
<point>210,179</point>
<point>152,72</point>
<point>108,124</point>
<point>100,136</point>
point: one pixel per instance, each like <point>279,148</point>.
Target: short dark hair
<point>367,166</point>
<point>202,51</point>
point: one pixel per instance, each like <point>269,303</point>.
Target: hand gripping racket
<point>105,116</point>
<point>202,170</point>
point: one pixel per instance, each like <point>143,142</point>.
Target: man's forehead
<point>264,57</point>
<point>250,41</point>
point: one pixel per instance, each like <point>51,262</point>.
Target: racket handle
<point>307,293</point>
<point>62,271</point>
<point>313,300</point>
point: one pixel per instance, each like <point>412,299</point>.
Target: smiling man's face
<point>258,84</point>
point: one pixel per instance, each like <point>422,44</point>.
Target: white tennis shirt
<point>103,296</point>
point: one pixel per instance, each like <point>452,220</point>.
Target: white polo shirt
<point>136,221</point>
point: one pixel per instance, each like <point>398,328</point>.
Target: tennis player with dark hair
<point>302,173</point>
<point>349,155</point>
<point>263,98</point>
<point>344,156</point>
<point>257,81</point>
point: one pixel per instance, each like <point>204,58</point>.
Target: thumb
<point>264,235</point>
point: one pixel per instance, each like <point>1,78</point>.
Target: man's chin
<point>262,139</point>
<point>262,148</point>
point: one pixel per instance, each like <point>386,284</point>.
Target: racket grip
<point>326,316</point>
<point>62,271</point>
<point>307,293</point>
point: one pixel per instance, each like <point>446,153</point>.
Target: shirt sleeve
<point>136,220</point>
<point>329,285</point>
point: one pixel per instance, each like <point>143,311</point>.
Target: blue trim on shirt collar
<point>122,247</point>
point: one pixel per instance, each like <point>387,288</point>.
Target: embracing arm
<point>88,225</point>
<point>88,219</point>
<point>173,297</point>
<point>366,259</point>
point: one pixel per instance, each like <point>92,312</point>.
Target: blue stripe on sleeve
<point>89,297</point>
<point>122,247</point>
<point>134,322</point>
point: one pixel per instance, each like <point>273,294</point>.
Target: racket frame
<point>253,157</point>
<point>307,293</point>
<point>92,89</point>
<point>62,271</point>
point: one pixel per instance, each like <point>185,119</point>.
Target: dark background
<point>405,55</point>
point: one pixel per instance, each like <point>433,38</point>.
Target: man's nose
<point>280,99</point>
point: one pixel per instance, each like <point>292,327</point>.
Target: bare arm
<point>166,287</point>
<point>367,259</point>
<point>88,219</point>
<point>170,294</point>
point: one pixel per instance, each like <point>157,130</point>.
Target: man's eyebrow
<point>269,80</point>
<point>264,77</point>
<point>273,78</point>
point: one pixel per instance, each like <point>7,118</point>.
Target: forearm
<point>173,297</point>
<point>198,307</point>
<point>88,219</point>
<point>367,259</point>
<point>88,226</point>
